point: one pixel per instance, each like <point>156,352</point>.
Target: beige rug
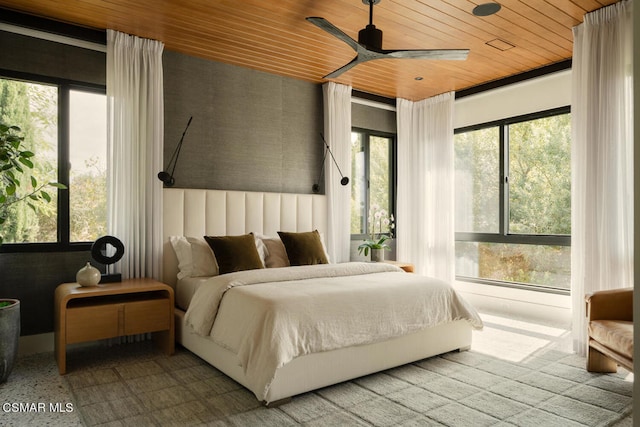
<point>134,384</point>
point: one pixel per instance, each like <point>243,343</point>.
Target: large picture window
<point>372,178</point>
<point>513,201</point>
<point>64,124</point>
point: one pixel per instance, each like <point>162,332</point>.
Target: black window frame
<point>65,86</point>
<point>367,134</point>
<point>503,235</point>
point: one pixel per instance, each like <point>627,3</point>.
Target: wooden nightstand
<point>406,266</point>
<point>133,306</point>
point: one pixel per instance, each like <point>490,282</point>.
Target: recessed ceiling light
<point>486,9</point>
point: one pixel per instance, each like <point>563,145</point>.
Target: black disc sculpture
<point>108,250</point>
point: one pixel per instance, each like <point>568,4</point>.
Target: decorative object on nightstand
<point>88,275</point>
<point>101,250</point>
<point>130,307</point>
<point>380,220</point>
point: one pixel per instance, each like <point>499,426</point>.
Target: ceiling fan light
<point>486,9</point>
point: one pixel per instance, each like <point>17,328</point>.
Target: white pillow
<point>274,251</point>
<point>182,248</point>
<point>204,261</point>
<point>195,257</point>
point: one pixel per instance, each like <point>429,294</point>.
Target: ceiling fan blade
<point>449,54</point>
<point>333,30</point>
<point>355,61</point>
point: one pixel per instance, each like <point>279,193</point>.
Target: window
<point>513,201</point>
<point>372,177</point>
<point>64,124</point>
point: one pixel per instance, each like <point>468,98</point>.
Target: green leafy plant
<point>380,220</point>
<point>13,163</point>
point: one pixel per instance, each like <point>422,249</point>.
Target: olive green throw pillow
<point>235,253</point>
<point>303,248</point>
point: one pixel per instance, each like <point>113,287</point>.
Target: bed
<point>211,319</point>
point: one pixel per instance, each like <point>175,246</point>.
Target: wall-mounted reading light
<point>167,177</point>
<point>343,181</point>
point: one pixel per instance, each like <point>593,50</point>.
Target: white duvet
<point>268,317</point>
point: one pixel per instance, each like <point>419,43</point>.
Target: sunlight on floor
<point>515,340</point>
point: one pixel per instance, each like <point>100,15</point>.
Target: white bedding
<point>268,317</point>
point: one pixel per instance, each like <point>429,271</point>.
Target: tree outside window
<point>372,177</point>
<point>513,201</point>
<point>64,124</point>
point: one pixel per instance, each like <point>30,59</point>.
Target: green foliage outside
<point>34,109</point>
<point>540,176</point>
<point>539,199</point>
<point>14,164</point>
<point>379,181</point>
<point>28,108</point>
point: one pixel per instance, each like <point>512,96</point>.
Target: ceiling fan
<point>369,44</point>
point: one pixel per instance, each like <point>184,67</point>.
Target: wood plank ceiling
<point>273,36</point>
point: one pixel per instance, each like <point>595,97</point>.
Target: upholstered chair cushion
<point>614,334</point>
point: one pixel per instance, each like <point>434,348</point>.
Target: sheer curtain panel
<point>601,158</point>
<point>425,223</point>
<point>337,133</point>
<point>135,133</point>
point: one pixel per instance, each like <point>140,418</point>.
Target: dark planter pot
<point>9,336</point>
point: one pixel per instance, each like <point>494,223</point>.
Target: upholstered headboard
<point>196,213</point>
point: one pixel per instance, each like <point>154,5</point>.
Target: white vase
<point>377,255</point>
<point>88,275</point>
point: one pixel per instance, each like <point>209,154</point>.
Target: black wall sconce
<point>343,181</point>
<point>167,177</point>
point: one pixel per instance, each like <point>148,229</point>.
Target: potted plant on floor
<point>381,221</point>
<point>14,160</point>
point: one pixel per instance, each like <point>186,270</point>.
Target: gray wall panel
<point>250,131</point>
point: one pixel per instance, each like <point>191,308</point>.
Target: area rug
<point>134,384</point>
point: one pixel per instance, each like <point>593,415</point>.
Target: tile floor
<point>35,378</point>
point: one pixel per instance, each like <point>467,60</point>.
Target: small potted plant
<point>382,226</point>
<point>14,160</point>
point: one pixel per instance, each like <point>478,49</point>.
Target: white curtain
<point>135,140</point>
<point>425,216</point>
<point>337,133</point>
<point>601,158</point>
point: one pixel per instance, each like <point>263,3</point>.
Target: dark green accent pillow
<point>303,248</point>
<point>235,253</point>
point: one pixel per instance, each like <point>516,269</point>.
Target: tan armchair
<point>610,329</point>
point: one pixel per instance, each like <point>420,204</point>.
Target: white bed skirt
<point>313,371</point>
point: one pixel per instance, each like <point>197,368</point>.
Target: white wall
<point>540,94</point>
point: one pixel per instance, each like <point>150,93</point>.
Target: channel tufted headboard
<point>196,213</point>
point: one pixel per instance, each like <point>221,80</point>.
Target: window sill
<point>515,303</point>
